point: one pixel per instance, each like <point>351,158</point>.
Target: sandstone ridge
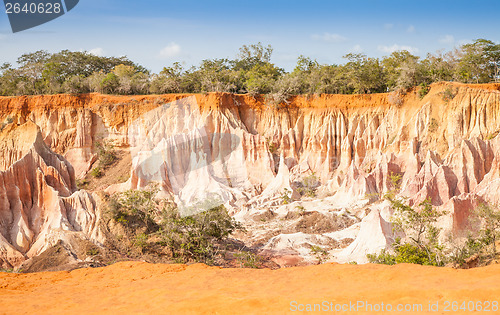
<point>246,153</point>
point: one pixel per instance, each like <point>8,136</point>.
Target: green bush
<point>319,253</point>
<point>433,125</point>
<point>197,237</point>
<point>136,206</point>
<point>449,94</point>
<point>309,185</point>
<point>82,183</point>
<point>7,121</point>
<point>423,90</point>
<point>93,251</point>
<point>248,260</point>
<point>106,154</point>
<point>422,245</point>
<point>418,224</point>
<point>405,253</point>
<point>286,197</point>
<point>141,240</point>
<point>384,257</point>
<point>96,172</point>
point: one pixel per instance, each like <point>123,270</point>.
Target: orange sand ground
<point>135,287</point>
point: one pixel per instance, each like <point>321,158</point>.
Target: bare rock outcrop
<point>238,150</point>
<point>38,197</point>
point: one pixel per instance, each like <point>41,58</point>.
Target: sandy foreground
<point>135,287</point>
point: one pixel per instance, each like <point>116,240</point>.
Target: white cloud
<point>410,29</point>
<point>447,40</point>
<point>98,51</point>
<point>356,49</point>
<point>171,50</point>
<point>388,26</point>
<point>396,47</point>
<point>464,41</point>
<point>327,37</point>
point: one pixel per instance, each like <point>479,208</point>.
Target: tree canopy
<point>250,72</point>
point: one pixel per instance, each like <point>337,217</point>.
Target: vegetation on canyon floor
<point>421,244</point>
<point>250,72</point>
<point>156,227</point>
<point>106,156</point>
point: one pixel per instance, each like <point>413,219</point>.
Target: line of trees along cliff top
<point>250,72</point>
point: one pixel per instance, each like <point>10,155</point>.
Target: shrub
<point>419,227</point>
<point>273,147</point>
<point>93,251</point>
<point>406,253</point>
<point>96,172</point>
<point>384,257</point>
<point>136,206</point>
<point>197,237</point>
<point>248,260</point>
<point>396,97</point>
<point>286,196</point>
<point>395,179</point>
<point>141,240</point>
<point>106,154</point>
<point>433,125</point>
<point>319,253</point>
<point>7,121</point>
<point>301,210</point>
<point>449,94</point>
<point>490,227</point>
<point>423,90</point>
<point>82,183</point>
<point>309,185</point>
<point>458,255</point>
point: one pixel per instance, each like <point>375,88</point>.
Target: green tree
<point>169,80</point>
<point>439,67</point>
<point>402,70</point>
<point>479,61</point>
<point>490,226</point>
<point>364,75</point>
<point>252,55</point>
<point>110,83</point>
<point>418,225</point>
<point>216,75</point>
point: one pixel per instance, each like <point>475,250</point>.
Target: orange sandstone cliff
<point>244,153</point>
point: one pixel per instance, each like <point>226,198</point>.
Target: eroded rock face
<point>247,154</point>
<point>38,197</point>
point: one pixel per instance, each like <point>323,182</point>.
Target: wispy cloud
<point>447,40</point>
<point>328,37</point>
<point>464,41</point>
<point>171,50</point>
<point>356,49</point>
<point>98,51</point>
<point>411,29</point>
<point>388,26</point>
<point>396,47</point>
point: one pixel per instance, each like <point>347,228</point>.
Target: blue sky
<point>156,33</point>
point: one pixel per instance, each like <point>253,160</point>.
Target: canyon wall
<point>241,151</point>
